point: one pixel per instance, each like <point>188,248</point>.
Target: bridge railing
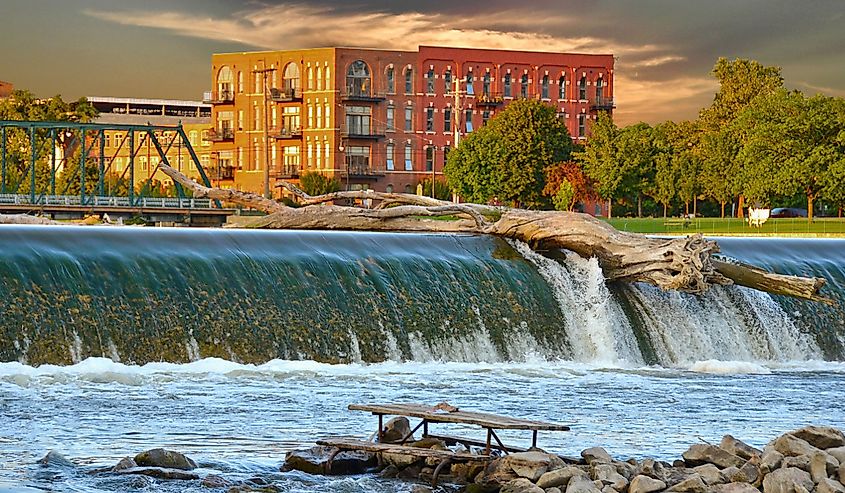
<point>95,201</point>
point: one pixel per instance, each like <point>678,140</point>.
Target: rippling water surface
<point>239,420</point>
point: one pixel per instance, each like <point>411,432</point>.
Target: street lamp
<point>343,156</point>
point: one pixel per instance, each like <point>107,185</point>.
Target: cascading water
<point>141,295</point>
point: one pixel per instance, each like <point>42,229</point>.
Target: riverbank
<point>826,227</point>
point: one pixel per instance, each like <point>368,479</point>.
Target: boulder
<point>560,477</point>
<point>748,473</point>
<point>822,437</point>
<point>401,461</point>
<point>418,488</point>
<point>792,446</point>
<point>838,453</point>
<point>495,475</point>
<point>532,465</point>
<point>822,466</point>
<point>735,488</point>
<point>596,454</point>
<point>738,447</point>
<point>693,484</point>
<point>315,461</point>
<point>553,489</point>
<point>161,473</point>
<point>626,469</point>
<point>730,472</point>
<point>54,458</point>
<point>787,480</point>
<point>645,484</point>
<point>609,476</point>
<point>842,473</point>
<point>520,485</point>
<point>828,485</point>
<point>770,461</point>
<point>801,462</point>
<point>167,459</point>
<point>395,430</point>
<point>124,463</point>
<point>609,489</point>
<point>215,481</point>
<point>650,468</point>
<point>710,474</point>
<point>580,484</point>
<point>701,453</point>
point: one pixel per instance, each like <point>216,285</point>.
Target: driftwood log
<point>683,264</point>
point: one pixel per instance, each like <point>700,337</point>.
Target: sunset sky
<point>664,48</point>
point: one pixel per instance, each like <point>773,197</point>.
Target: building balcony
<point>489,100</point>
<point>362,169</point>
<point>221,135</point>
<point>219,97</point>
<point>602,104</point>
<point>288,171</point>
<point>357,94</point>
<point>222,173</point>
<point>369,132</point>
<point>287,133</point>
<point>286,94</point>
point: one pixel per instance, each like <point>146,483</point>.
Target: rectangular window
<point>256,118</point>
<point>358,160</point>
<point>310,116</point>
<point>599,90</point>
<point>447,82</point>
<point>429,120</point>
<point>409,163</point>
<point>429,82</point>
<point>257,156</point>
<point>409,81</point>
<point>508,85</point>
<point>561,90</point>
<point>326,152</point>
<point>391,81</point>
<point>319,115</point>
<point>273,119</point>
<point>470,90</point>
<point>485,115</point>
<point>107,139</point>
<point>391,125</point>
<point>319,147</point>
<point>290,156</point>
<point>469,121</point>
<point>429,158</point>
<point>327,117</point>
<point>523,86</point>
<point>582,88</point>
<point>310,155</point>
<point>485,87</point>
<point>409,118</point>
<point>118,140</point>
<point>544,87</point>
<point>290,120</point>
<point>358,120</point>
<point>390,150</point>
<point>240,120</point>
<point>582,125</point>
<point>447,120</point>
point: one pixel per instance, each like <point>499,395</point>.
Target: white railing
<point>95,201</point>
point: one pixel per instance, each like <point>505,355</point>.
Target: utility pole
<point>433,166</point>
<point>457,94</point>
<point>265,94</point>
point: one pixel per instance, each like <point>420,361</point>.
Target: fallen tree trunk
<point>25,219</point>
<point>682,264</point>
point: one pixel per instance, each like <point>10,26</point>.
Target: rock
<point>413,472</point>
<point>580,484</point>
<point>822,437</point>
<point>738,447</point>
<point>710,474</point>
<point>215,481</point>
<point>792,446</point>
<point>418,488</point>
<point>735,488</point>
<point>399,460</point>
<point>842,473</point>
<point>56,459</point>
<point>396,429</point>
<point>626,469</point>
<point>560,477</point>
<point>315,460</point>
<point>389,472</point>
<point>553,489</point>
<point>609,476</point>
<point>124,463</point>
<point>701,453</point>
<point>693,484</point>
<point>650,468</point>
<point>822,466</point>
<point>827,485</point>
<point>645,484</point>
<point>429,442</point>
<point>838,453</point>
<point>161,473</point>
<point>495,475</point>
<point>465,472</point>
<point>167,459</point>
<point>748,473</point>
<point>679,463</point>
<point>532,465</point>
<point>770,461</point>
<point>596,454</point>
<point>520,485</point>
<point>801,462</point>
<point>609,489</point>
<point>787,480</point>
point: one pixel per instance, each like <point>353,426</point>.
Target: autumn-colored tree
<point>572,174</point>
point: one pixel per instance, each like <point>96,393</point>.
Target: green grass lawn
<point>827,226</point>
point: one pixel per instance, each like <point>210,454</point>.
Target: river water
<point>494,328</point>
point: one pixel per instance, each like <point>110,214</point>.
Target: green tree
<point>665,185</point>
<point>599,159</point>
<point>316,183</point>
<point>564,199</point>
<point>635,156</point>
<point>719,167</point>
<point>441,189</point>
<point>505,159</point>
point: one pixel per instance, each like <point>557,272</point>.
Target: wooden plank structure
<point>443,413</point>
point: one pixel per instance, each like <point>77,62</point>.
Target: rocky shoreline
<point>807,460</point>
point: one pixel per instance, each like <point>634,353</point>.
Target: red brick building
<point>6,89</point>
<point>382,119</point>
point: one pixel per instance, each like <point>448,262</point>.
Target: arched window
<point>389,188</point>
<point>544,87</point>
<point>358,79</point>
<point>291,79</point>
<point>391,80</point>
<point>429,82</point>
<point>508,92</point>
<point>409,81</point>
<point>319,79</point>
<point>224,83</point>
<point>561,90</point>
<point>582,88</point>
<point>523,86</point>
